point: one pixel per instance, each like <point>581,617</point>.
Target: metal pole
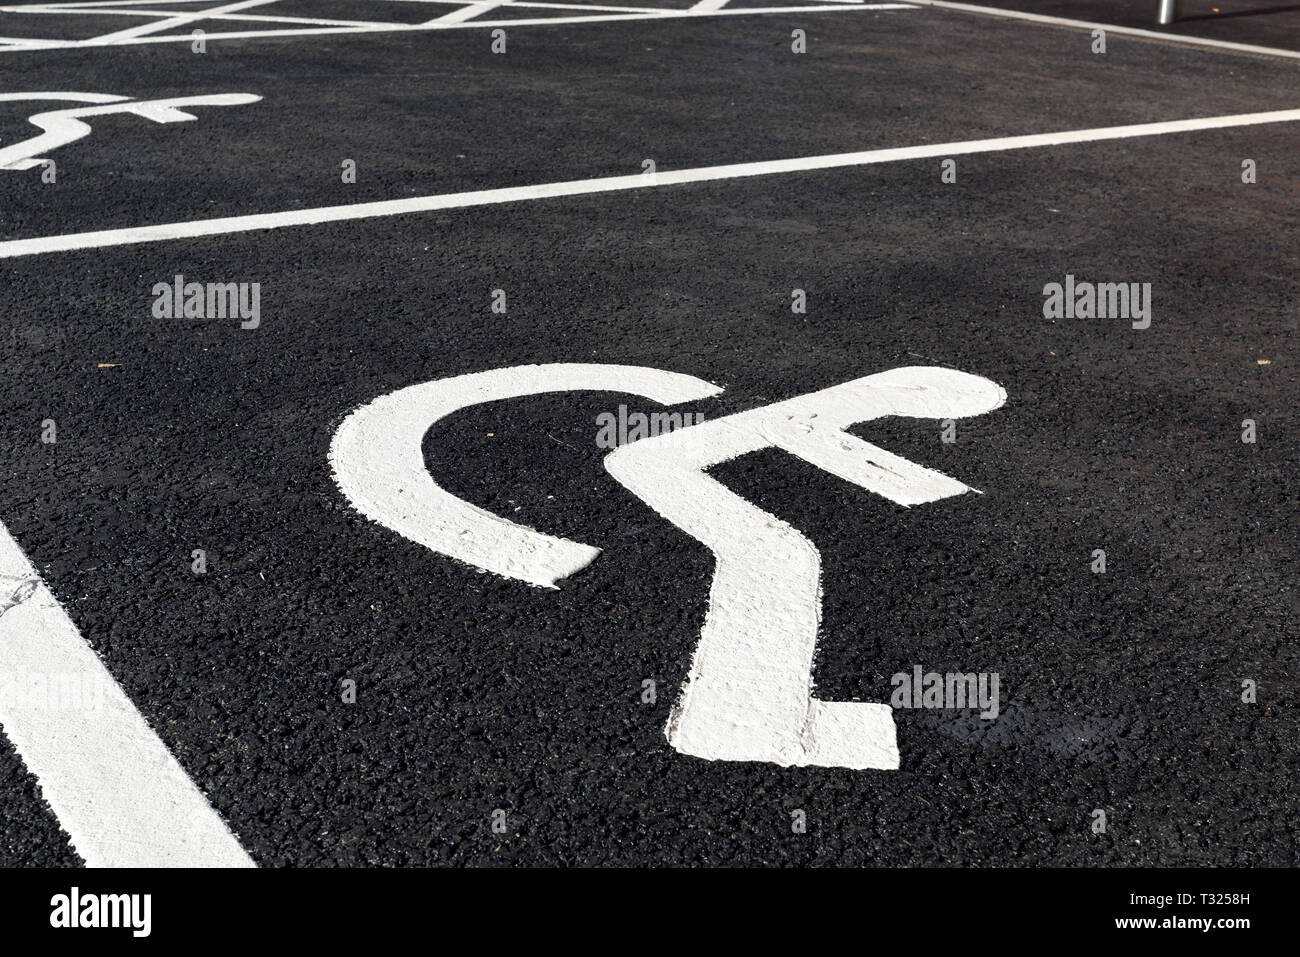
<point>1168,12</point>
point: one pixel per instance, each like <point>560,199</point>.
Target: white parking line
<point>163,19</point>
<point>122,38</point>
<point>30,44</point>
<point>423,204</point>
<point>469,11</point>
<point>115,788</point>
<point>542,4</point>
<point>462,18</point>
<point>180,20</point>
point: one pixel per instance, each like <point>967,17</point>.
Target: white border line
<point>704,8</point>
<point>113,785</point>
<point>469,11</point>
<point>113,40</point>
<point>164,19</point>
<point>486,197</point>
<point>177,21</point>
<point>1110,28</point>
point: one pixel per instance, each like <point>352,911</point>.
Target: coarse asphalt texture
<point>1121,690</point>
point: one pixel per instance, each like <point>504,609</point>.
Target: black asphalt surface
<point>1253,22</point>
<point>1120,691</point>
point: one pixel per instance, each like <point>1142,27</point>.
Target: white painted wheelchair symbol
<point>749,693</point>
<point>61,127</point>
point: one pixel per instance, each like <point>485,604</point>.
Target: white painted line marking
<point>84,10</point>
<point>212,14</point>
<point>114,786</point>
<point>565,6</point>
<point>20,42</point>
<point>174,22</point>
<point>378,463</point>
<point>422,204</point>
<point>749,695</point>
<point>704,8</point>
<point>65,96</point>
<point>1110,28</point>
<point>92,5</point>
<point>558,6</point>
<point>469,11</point>
<point>102,3</point>
<point>436,25</point>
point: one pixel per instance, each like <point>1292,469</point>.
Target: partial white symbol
<point>749,695</point>
<point>62,127</point>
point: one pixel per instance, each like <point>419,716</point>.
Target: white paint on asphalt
<point>422,204</point>
<point>61,127</point>
<point>362,27</point>
<point>24,42</point>
<point>378,462</point>
<point>117,38</point>
<point>460,19</point>
<point>117,791</point>
<point>1110,28</point>
<point>177,21</point>
<point>542,4</point>
<point>749,695</point>
<point>469,11</point>
<point>63,97</point>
